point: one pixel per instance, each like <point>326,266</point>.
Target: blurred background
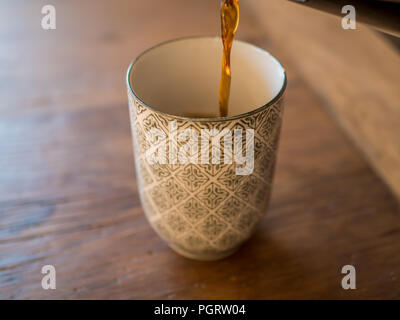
<point>68,194</point>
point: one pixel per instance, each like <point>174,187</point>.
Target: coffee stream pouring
<point>229,24</point>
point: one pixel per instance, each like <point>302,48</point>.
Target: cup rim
<point>205,119</point>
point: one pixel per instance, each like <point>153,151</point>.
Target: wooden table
<point>68,195</point>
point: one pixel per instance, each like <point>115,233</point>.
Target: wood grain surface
<point>68,195</point>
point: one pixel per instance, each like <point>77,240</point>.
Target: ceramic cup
<point>204,199</point>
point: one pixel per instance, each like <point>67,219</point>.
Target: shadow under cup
<point>194,194</point>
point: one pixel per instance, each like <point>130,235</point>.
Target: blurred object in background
<point>355,71</point>
<point>394,40</point>
<point>383,15</point>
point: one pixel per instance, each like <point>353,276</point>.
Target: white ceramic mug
<point>204,210</point>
